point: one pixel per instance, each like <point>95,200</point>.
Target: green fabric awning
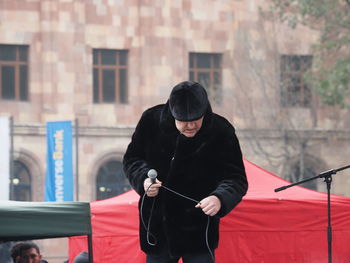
<point>38,220</point>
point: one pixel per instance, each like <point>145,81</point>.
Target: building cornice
<point>127,131</point>
<point>305,134</point>
<point>87,131</point>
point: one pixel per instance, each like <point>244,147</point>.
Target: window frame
<point>295,95</point>
<point>17,64</point>
<point>214,89</point>
<point>116,68</point>
<point>104,173</point>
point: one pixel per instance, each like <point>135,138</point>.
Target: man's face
<point>30,256</point>
<point>189,128</point>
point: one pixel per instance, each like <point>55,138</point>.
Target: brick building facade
<point>102,62</point>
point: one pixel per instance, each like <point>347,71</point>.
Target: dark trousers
<point>164,257</point>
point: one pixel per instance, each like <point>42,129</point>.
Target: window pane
<point>295,82</point>
<point>108,57</point>
<point>217,61</point>
<point>23,93</point>
<point>115,169</point>
<point>95,57</point>
<point>108,85</point>
<point>192,58</point>
<point>192,76</point>
<point>294,63</point>
<point>203,61</point>
<point>21,183</point>
<point>122,86</point>
<point>8,82</point>
<point>204,79</point>
<point>23,53</point>
<point>217,91</point>
<point>307,96</point>
<point>111,181</point>
<point>21,173</point>
<point>305,62</point>
<point>7,53</point>
<point>299,63</point>
<point>113,166</point>
<point>292,98</point>
<point>22,193</point>
<point>217,80</point>
<point>123,58</point>
<point>95,88</point>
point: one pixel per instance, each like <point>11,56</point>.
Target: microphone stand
<point>327,175</point>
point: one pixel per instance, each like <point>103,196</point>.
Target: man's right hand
<point>151,190</point>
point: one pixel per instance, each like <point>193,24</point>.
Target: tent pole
<point>91,256</point>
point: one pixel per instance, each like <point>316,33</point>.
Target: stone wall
<point>159,35</point>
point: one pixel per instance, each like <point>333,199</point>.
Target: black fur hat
<point>188,101</point>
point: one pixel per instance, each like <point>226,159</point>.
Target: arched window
<point>111,180</point>
<point>21,189</point>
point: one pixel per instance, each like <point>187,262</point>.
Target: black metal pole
<point>327,175</point>
<point>328,180</point>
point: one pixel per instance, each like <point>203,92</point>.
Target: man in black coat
<point>201,176</point>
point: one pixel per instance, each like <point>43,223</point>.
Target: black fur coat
<point>210,163</point>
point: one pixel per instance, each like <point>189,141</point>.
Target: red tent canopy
<point>287,226</point>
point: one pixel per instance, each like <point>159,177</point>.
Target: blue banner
<point>59,165</point>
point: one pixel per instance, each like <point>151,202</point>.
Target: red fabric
<point>266,227</point>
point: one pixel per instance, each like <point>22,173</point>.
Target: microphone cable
<point>149,234</point>
<point>147,228</point>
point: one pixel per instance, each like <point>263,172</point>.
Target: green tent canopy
<point>40,220</point>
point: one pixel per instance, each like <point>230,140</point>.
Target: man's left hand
<point>210,205</point>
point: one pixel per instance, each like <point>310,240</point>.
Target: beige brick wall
<point>159,36</point>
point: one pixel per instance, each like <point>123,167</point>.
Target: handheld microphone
<point>152,174</point>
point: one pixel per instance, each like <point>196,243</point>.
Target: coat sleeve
<point>134,163</point>
<point>233,184</point>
